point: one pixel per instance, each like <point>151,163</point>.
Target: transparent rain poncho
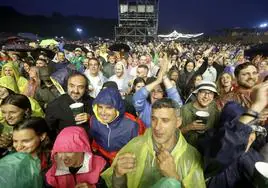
<point>187,160</point>
<point>19,170</point>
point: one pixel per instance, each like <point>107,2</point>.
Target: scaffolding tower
<point>137,20</point>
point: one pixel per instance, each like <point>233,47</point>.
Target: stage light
<point>263,25</point>
<point>79,30</point>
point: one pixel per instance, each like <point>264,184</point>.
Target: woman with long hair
<point>14,108</point>
<point>225,85</point>
<point>33,82</point>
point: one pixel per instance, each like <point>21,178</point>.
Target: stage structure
<point>137,20</point>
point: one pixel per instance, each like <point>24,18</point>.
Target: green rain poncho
<point>20,80</point>
<point>187,160</point>
<point>9,83</point>
<point>19,170</point>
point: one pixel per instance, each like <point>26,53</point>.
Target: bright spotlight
<point>79,30</point>
<point>263,25</point>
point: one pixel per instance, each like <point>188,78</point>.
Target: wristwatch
<point>259,130</point>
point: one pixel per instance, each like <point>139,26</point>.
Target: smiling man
<point>247,76</point>
<point>161,156</point>
<point>192,128</point>
<point>58,113</point>
<point>110,126</point>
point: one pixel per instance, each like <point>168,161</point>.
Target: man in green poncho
<point>77,60</point>
<point>161,157</point>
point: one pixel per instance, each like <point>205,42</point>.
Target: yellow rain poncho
<point>9,83</point>
<point>187,160</point>
<point>47,42</point>
<point>20,80</point>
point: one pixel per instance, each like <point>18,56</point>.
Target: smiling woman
<point>31,136</point>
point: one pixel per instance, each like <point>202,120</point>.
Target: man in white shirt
<point>95,77</point>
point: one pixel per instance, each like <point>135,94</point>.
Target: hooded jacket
<point>20,80</point>
<point>74,139</point>
<point>9,83</point>
<point>111,137</point>
<point>226,164</point>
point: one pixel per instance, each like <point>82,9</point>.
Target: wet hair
<point>144,66</point>
<point>135,82</point>
<point>28,61</point>
<point>171,71</point>
<point>21,101</point>
<point>152,79</point>
<point>241,67</point>
<point>40,127</point>
<point>74,74</point>
<point>167,103</point>
<point>189,61</point>
<point>40,59</point>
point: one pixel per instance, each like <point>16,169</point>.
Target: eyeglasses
<point>206,92</point>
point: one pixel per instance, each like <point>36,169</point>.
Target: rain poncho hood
<point>110,96</point>
<point>110,138</point>
<point>74,139</point>
<point>9,83</point>
<point>20,170</point>
<point>187,160</point>
<point>20,80</point>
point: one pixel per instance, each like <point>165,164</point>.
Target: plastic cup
<point>202,116</point>
<point>261,175</point>
<point>77,108</point>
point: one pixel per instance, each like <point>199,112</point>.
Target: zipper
<point>109,134</point>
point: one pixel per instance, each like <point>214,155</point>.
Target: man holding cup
<point>73,108</point>
<point>200,115</point>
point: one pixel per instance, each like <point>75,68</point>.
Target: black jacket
<point>59,114</point>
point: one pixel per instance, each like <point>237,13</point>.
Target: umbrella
<point>11,40</point>
<point>37,51</point>
<point>260,49</point>
<point>29,36</point>
<point>17,47</point>
<point>119,47</point>
<point>71,47</point>
<point>48,42</point>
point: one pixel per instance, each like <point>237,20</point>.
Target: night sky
<point>191,15</point>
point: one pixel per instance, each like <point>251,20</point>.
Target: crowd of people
<point>173,114</point>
